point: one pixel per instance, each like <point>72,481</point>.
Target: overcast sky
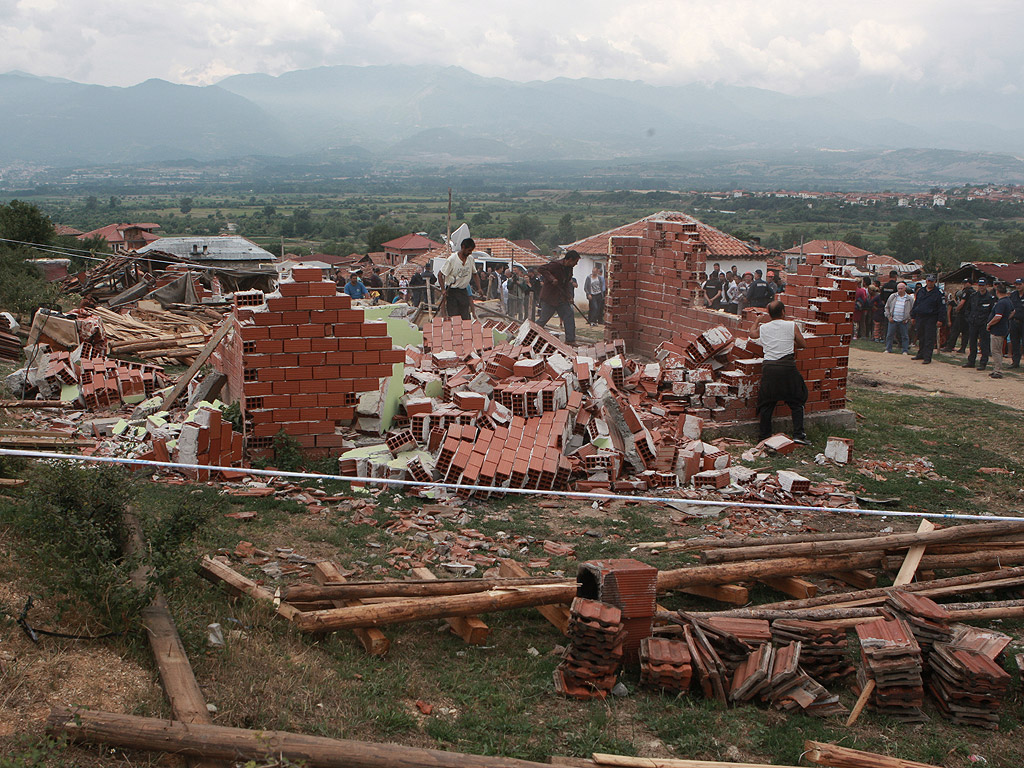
<point>794,46</point>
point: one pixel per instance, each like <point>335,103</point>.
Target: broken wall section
<point>653,281</point>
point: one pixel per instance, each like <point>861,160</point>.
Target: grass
<point>498,699</point>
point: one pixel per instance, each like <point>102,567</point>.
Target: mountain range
<point>441,116</point>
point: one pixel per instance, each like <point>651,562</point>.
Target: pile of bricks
<point>653,281</point>
<point>103,382</point>
<point>665,664</point>
<point>892,658</point>
<point>205,438</point>
<point>298,360</point>
<point>591,662</point>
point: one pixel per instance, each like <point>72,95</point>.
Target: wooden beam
<point>624,761</point>
<point>860,579</point>
<point>216,571</point>
<point>373,640</point>
<point>733,594</point>
<point>470,628</point>
<point>862,701</point>
<point>238,744</point>
<point>558,615</point>
<point>834,756</point>
<point>801,589</point>
<point>913,558</point>
<point>424,588</point>
<point>193,369</point>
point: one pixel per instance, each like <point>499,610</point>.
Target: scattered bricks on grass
<point>839,450</point>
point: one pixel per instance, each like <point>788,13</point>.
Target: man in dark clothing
<point>884,292</point>
<point>374,281</point>
<point>418,288</point>
<point>929,309</point>
<point>556,294</point>
<point>759,294</point>
<point>1017,321</point>
<point>958,317</point>
<point>713,290</point>
<point>978,311</point>
<point>998,326</point>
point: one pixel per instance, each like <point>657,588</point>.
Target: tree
<point>185,205</point>
<point>114,202</point>
<point>566,230</point>
<point>380,233</point>
<point>525,227</point>
<point>91,203</point>
<point>25,223</point>
<point>854,238</point>
<point>905,241</point>
<point>1011,245</point>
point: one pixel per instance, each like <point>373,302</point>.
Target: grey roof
<point>203,249</point>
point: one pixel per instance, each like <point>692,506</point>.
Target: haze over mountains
<point>438,116</point>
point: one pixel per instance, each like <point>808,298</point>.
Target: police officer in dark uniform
<point>928,312</point>
<point>979,309</point>
<point>1017,321</point>
<point>759,294</point>
<point>958,330</point>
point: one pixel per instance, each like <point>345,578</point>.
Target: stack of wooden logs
<point>163,336</point>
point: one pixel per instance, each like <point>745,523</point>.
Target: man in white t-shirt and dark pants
<point>780,379</point>
<point>454,277</point>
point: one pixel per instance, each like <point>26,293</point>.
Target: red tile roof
<point>829,248</point>
<point>718,243</point>
<point>1007,273</point>
<point>114,233</point>
<point>499,249</point>
<point>63,229</point>
<point>410,242</point>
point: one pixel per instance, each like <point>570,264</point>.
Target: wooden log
<point>834,756</point>
<point>165,343</point>
<point>726,573</point>
<point>860,579</point>
<point>38,404</point>
<point>733,594</point>
<point>222,743</point>
<point>12,482</point>
<point>373,640</point>
<point>193,369</point>
<point>693,545</point>
<point>425,608</point>
<point>470,628</point>
<point>791,585</point>
<point>425,588</point>
<point>216,571</point>
<point>175,352</point>
<point>1001,609</point>
<point>970,532</point>
<point>913,559</point>
<point>624,761</point>
<point>986,558</point>
<point>558,615</point>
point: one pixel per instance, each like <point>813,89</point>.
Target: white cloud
<point>795,46</point>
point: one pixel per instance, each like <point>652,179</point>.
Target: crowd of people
<point>732,292</point>
<point>986,319</point>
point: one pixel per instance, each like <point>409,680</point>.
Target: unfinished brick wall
<point>299,360</point>
<point>653,281</point>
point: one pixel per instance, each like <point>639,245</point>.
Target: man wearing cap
<point>557,295</point>
<point>998,326</point>
<point>927,311</point>
<point>1017,321</point>
<point>958,317</point>
<point>780,378</point>
<point>454,277</point>
<point>978,312</point>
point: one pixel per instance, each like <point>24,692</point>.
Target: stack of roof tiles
<point>892,658</point>
<point>823,647</point>
<point>711,672</point>
<point>665,664</point>
<point>653,280</point>
<point>969,684</point>
<point>299,359</point>
<point>928,620</point>
<point>591,662</point>
<point>629,585</point>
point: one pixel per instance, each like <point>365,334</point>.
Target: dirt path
<point>892,372</point>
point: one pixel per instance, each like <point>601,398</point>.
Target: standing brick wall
<point>653,280</point>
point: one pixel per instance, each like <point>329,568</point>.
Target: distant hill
<point>445,116</point>
<point>60,122</point>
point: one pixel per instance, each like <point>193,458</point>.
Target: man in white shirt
<point>780,379</point>
<point>897,312</point>
<point>455,275</point>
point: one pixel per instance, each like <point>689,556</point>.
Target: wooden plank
<point>799,589</point>
<point>834,756</point>
<point>193,369</point>
<point>469,628</point>
<point>216,571</point>
<point>859,579</point>
<point>625,761</point>
<point>733,594</point>
<point>558,615</point>
<point>862,701</point>
<point>373,640</point>
<point>913,558</point>
<point>186,698</point>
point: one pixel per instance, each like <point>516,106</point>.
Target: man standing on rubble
<point>780,379</point>
<point>454,277</point>
<point>556,293</point>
